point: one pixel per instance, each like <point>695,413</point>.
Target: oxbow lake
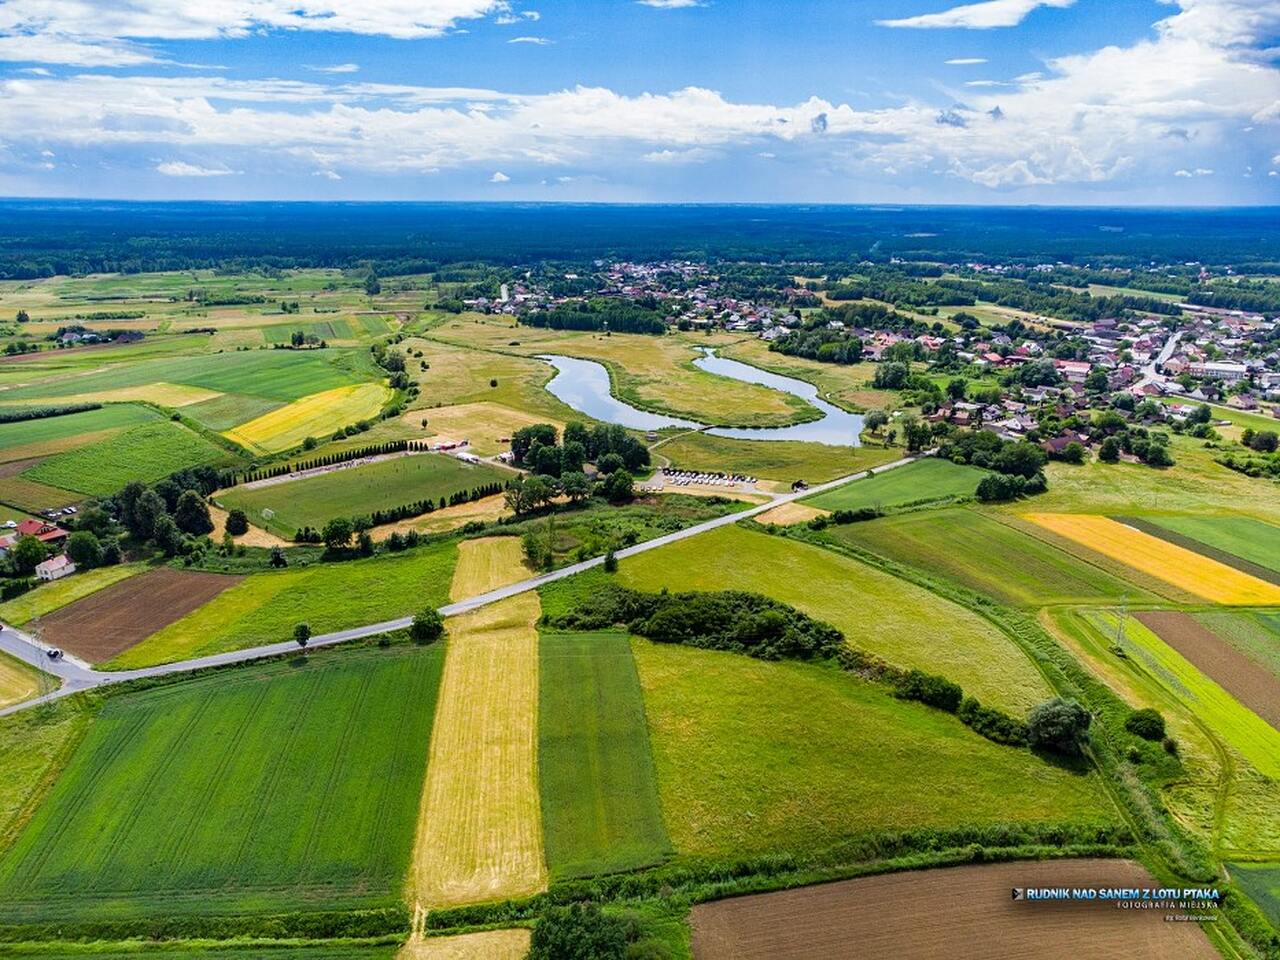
<point>584,385</point>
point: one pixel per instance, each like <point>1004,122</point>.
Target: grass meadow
<point>754,757</point>
<point>781,460</point>
<point>920,482</point>
<point>264,607</point>
<point>357,491</point>
<point>34,438</point>
<point>18,681</point>
<point>897,620</point>
<point>1261,881</point>
<point>600,811</point>
<point>289,786</point>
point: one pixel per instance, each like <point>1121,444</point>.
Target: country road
<point>77,675</point>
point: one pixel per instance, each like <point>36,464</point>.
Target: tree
<point>146,514</point>
<point>1096,381</point>
<point>1073,452</point>
<point>427,626</point>
<point>278,559</point>
<point>26,553</point>
<point>525,437</point>
<point>372,285</point>
<point>876,420</point>
<point>167,536</point>
<point>192,514</point>
<point>610,462</point>
<point>84,549</point>
<point>915,434</point>
<point>23,316</point>
<point>618,487</point>
<point>237,523</point>
<point>1265,441</point>
<point>581,932</point>
<point>111,554</point>
<point>337,533</point>
<point>1023,459</point>
<point>576,486</point>
<point>891,376</point>
<point>1146,723</point>
<point>957,387</point>
<point>1109,452</point>
<point>611,562</point>
<point>302,634</point>
<point>1059,725</point>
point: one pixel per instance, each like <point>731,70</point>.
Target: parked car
<point>54,653</point>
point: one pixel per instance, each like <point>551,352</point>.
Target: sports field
<point>278,787</point>
<point>988,555</point>
<point>600,810</point>
<point>1183,568</point>
<point>742,770</point>
<point>897,620</point>
<point>317,415</point>
<point>18,681</point>
<point>479,828</point>
<point>1243,537</point>
<point>920,482</point>
<point>147,452</point>
<point>357,491</point>
<point>37,438</point>
<point>264,607</point>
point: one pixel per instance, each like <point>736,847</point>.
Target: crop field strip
<point>600,808</point>
<point>18,681</point>
<point>1256,634</point>
<point>317,415</point>
<point>31,438</point>
<point>930,914</point>
<point>924,481</point>
<point>1217,537</point>
<point>897,620</point>
<point>186,950</point>
<point>1261,881</point>
<point>110,621</point>
<point>48,597</point>
<point>1183,568</point>
<point>485,564</point>
<point>485,945</point>
<point>742,771</point>
<point>264,607</point>
<point>269,788</point>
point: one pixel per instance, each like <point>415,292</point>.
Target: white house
<point>55,568</point>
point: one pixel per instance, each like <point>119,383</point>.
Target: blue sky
<point>929,101</point>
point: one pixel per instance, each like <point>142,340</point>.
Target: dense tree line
<point>42,413</point>
<point>618,316</point>
<point>230,479</point>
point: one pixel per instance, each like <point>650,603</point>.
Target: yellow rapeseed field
<point>486,564</point>
<point>318,415</point>
<point>1183,568</point>
<point>480,826</point>
<point>488,945</point>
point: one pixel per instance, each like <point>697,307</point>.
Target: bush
<point>237,523</point>
<point>610,562</point>
<point>427,626</point>
<point>930,689</point>
<point>1059,725</point>
<point>582,932</point>
<point>1146,723</point>
<point>991,723</point>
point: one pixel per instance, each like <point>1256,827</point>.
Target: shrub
<point>991,723</point>
<point>582,932</point>
<point>427,626</point>
<point>237,523</point>
<point>931,689</point>
<point>1146,723</point>
<point>610,562</point>
<point>1059,725</point>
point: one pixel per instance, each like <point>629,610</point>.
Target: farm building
<point>44,532</point>
<point>55,568</point>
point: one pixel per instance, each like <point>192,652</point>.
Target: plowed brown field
<point>948,914</point>
<point>112,620</point>
<point>1251,684</point>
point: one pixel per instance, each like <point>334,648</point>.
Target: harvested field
<point>480,830</point>
<point>486,564</point>
<point>1183,568</point>
<point>483,424</point>
<point>485,510</point>
<point>317,415</point>
<point>110,621</point>
<point>488,945</point>
<point>946,913</point>
<point>18,682</point>
<point>792,513</point>
<point>1245,680</point>
<point>254,537</point>
<point>161,394</point>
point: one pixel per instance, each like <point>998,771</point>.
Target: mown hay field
<point>288,786</point>
<point>479,829</point>
<point>147,452</point>
<point>48,597</point>
<point>457,375</point>
<point>988,555</point>
<point>1243,537</point>
<point>790,514</point>
<point>358,491</point>
<point>1183,568</point>
<point>484,424</point>
<point>264,607</point>
<point>486,945</point>
<point>925,915</point>
<point>923,481</point>
<point>897,620</point>
<point>486,564</point>
<point>33,438</point>
<point>160,393</point>
<point>600,810</point>
<point>18,681</point>
<point>742,770</point>
<point>781,460</point>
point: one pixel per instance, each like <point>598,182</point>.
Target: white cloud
<point>965,61</point>
<point>692,155</point>
<point>338,68</point>
<point>977,16</point>
<point>669,4</point>
<point>327,174</point>
<point>1182,173</point>
<point>499,177</point>
<point>180,168</point>
<point>536,41</point>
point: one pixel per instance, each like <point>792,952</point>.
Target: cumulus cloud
<point>180,168</point>
<point>977,16</point>
<point>499,177</point>
<point>536,41</point>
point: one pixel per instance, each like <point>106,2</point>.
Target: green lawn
<point>900,621</point>
<point>358,491</point>
<point>600,810</point>
<point>286,786</point>
<point>264,607</point>
<point>754,757</point>
<point>26,433</point>
<point>919,482</point>
<point>1255,634</point>
<point>1243,537</point>
<point>148,452</point>
<point>986,555</point>
<point>1261,881</point>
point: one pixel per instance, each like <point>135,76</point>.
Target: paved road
<point>1149,372</point>
<point>77,675</point>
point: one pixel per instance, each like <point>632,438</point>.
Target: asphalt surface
<point>77,675</point>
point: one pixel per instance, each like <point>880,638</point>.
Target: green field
<point>148,452</point>
<point>986,555</point>
<point>1255,634</point>
<point>48,597</point>
<point>755,757</point>
<point>324,329</point>
<point>264,607</point>
<point>1242,537</point>
<point>23,439</point>
<point>358,491</point>
<point>205,950</point>
<point>897,620</point>
<point>34,746</point>
<point>919,482</point>
<point>1262,883</point>
<point>230,410</point>
<point>781,460</point>
<point>600,810</point>
<point>288,786</point>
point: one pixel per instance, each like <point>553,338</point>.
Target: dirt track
<point>112,620</point>
<point>1250,683</point>
<point>946,915</point>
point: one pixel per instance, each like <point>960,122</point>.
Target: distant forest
<point>45,237</point>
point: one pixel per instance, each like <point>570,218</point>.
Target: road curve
<point>77,675</point>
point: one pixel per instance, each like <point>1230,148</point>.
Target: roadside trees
<point>427,626</point>
<point>302,634</point>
